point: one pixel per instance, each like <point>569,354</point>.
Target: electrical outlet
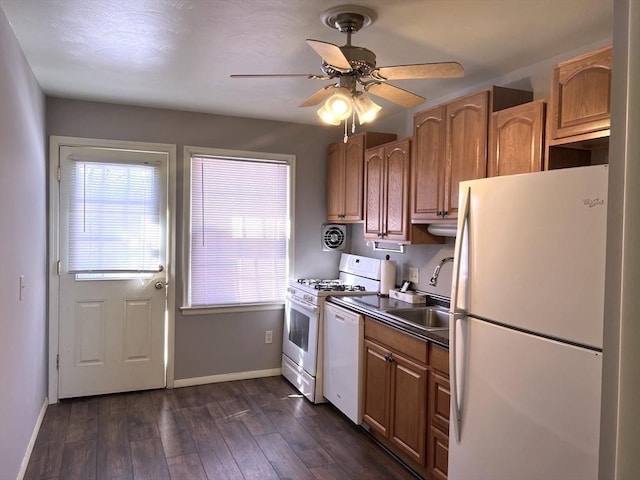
<point>268,336</point>
<point>414,275</point>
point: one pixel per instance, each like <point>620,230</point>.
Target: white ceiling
<point>179,53</point>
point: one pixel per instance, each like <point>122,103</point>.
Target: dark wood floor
<point>249,429</point>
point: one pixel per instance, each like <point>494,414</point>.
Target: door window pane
<point>114,217</point>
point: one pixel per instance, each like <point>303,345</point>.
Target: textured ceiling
<point>179,53</point>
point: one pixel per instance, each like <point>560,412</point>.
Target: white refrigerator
<point>527,326</point>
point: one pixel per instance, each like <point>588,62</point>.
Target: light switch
<point>413,275</point>
<point>22,285</point>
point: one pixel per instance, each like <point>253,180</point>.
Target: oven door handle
<point>306,306</point>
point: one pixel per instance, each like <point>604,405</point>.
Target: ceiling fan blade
<point>420,70</point>
<point>282,75</point>
<point>318,96</point>
<point>330,53</point>
<point>394,94</point>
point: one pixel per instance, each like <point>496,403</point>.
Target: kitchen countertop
<point>374,305</point>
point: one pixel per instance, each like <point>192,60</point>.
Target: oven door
<point>300,334</point>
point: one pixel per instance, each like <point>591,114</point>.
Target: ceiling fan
<point>352,66</point>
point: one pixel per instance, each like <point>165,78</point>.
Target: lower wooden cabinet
<point>438,454</point>
<point>438,417</point>
<point>406,397</point>
<point>395,399</point>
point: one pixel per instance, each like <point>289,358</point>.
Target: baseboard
<point>225,377</point>
<point>32,440</point>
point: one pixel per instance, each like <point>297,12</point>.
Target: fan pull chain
<point>353,122</point>
<point>346,132</point>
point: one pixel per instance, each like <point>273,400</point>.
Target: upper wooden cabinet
<point>450,145</point>
<point>387,191</point>
<point>428,164</point>
<point>386,216</point>
<point>579,112</point>
<point>345,164</point>
<point>516,138</point>
<point>581,96</point>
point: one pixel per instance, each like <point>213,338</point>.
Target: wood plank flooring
<point>249,429</point>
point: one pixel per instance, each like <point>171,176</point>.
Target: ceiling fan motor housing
<point>362,61</point>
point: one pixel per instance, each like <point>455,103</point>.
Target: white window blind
<point>114,217</point>
<point>239,231</point>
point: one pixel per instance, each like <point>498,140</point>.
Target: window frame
<point>188,153</point>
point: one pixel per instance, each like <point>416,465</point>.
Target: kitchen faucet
<point>434,278</point>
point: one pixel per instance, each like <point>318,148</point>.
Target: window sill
<point>187,311</point>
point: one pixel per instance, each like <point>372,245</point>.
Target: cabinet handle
<point>445,213</point>
<point>388,358</point>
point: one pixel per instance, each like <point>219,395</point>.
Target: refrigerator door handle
<point>457,314</point>
<point>455,396</point>
<point>464,220</point>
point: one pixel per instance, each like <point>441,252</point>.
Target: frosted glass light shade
<point>366,108</point>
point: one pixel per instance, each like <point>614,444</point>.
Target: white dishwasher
<point>343,360</point>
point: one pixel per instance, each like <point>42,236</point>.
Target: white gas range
<point>302,355</point>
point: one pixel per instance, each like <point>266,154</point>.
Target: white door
<point>112,247</point>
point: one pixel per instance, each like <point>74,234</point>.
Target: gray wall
<point>23,328</point>
<point>230,342</point>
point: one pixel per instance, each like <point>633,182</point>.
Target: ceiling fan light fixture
<point>366,108</point>
<point>327,116</point>
<point>339,104</point>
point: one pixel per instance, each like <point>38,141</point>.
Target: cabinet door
<point>374,180</point>
<point>439,401</point>
<point>353,178</point>
<point>377,378</point>
<point>427,168</point>
<point>581,94</point>
<point>335,181</point>
<point>437,454</point>
<point>408,407</point>
<point>466,156</point>
<point>516,140</point>
<point>396,201</point>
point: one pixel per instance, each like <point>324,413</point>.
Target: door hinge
<point>58,267</point>
<point>59,174</point>
<point>58,362</point>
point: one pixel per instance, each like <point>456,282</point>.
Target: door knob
<point>159,285</point>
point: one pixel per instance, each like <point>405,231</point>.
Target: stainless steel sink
<point>430,318</point>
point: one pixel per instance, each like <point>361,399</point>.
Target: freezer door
<point>529,406</point>
<point>534,252</point>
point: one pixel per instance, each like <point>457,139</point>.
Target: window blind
<point>239,231</point>
<point>114,217</point>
